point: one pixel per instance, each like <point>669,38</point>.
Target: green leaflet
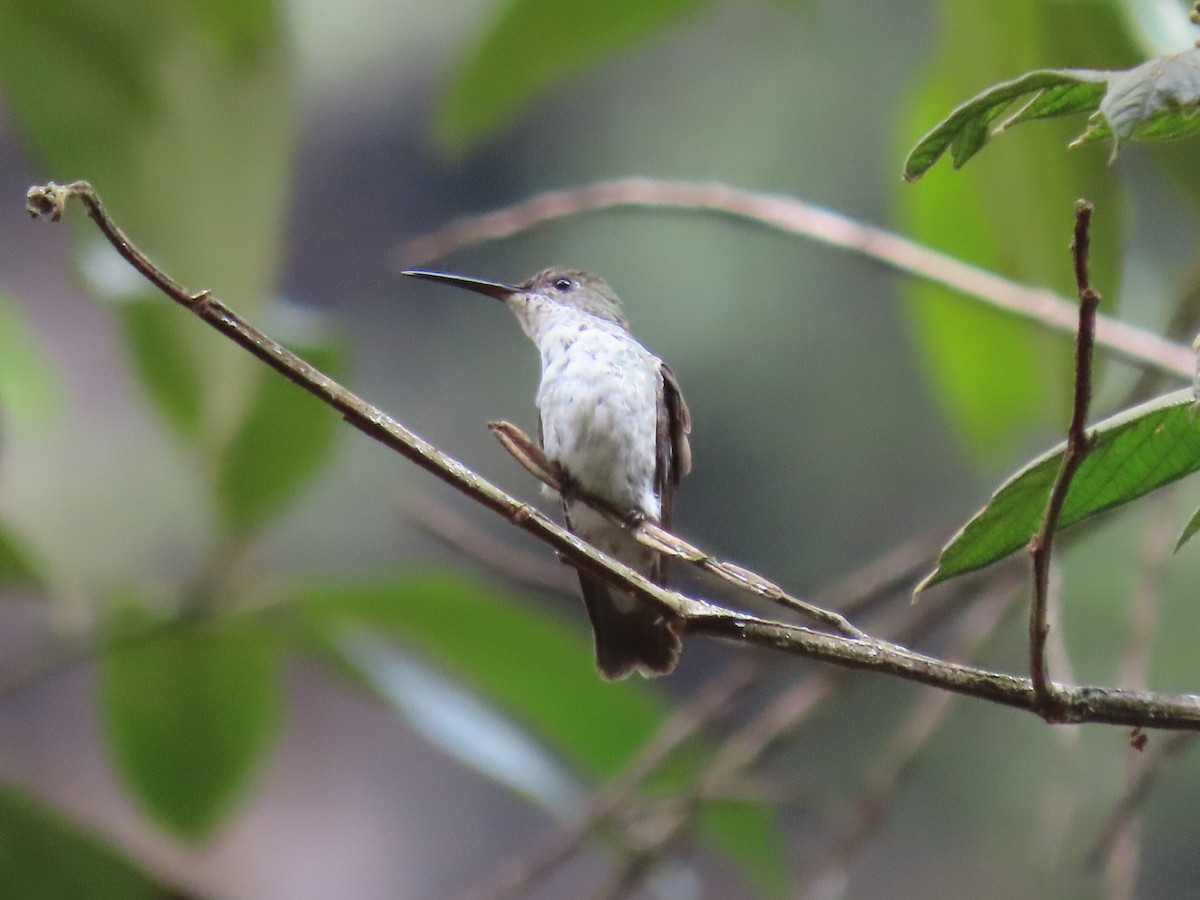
<point>1133,453</point>
<point>1157,100</point>
<point>279,448</point>
<point>189,710</point>
<point>43,856</point>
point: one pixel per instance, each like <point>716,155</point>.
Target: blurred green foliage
<point>1007,212</point>
<point>189,711</point>
<point>502,649</point>
<point>531,44</point>
<point>168,107</point>
<point>29,386</point>
<point>44,857</point>
<point>283,443</point>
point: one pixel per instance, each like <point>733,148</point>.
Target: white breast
<point>598,402</point>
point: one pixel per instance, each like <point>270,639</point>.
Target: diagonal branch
<point>792,215</point>
<point>1075,704</point>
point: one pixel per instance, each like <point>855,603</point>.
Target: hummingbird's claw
<point>567,485</point>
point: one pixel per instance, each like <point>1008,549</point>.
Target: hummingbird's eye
<point>564,284</point>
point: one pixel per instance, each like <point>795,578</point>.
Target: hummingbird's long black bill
<point>491,289</point>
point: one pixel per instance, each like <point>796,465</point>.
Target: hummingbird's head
<point>577,290</point>
<point>546,292</point>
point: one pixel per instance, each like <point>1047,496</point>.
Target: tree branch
<point>796,217</point>
<point>1077,704</point>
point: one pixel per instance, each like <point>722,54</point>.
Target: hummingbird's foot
<point>635,519</point>
<point>567,485</point>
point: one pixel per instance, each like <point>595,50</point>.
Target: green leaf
<point>181,115</point>
<point>279,449</point>
<point>1055,92</point>
<point>29,387</point>
<point>751,834</point>
<point>1133,453</point>
<point>531,665</point>
<point>529,45</point>
<point>189,711</point>
<point>167,368</point>
<point>1192,526</point>
<point>1158,100</point>
<point>45,857</point>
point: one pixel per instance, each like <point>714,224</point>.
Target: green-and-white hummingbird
<point>612,416</point>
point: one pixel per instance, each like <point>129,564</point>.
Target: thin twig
<point>1042,546</point>
<point>1158,759</point>
<point>884,777</point>
<point>713,700</point>
<point>654,536</point>
<point>796,217</point>
<point>1075,704</point>
<point>459,532</point>
<point>1121,869</point>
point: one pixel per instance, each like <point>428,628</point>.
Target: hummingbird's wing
<point>674,453</point>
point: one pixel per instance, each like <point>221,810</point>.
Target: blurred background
<point>236,656</point>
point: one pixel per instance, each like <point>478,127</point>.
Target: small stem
<point>1042,546</point>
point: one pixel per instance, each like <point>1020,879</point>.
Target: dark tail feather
<point>641,638</point>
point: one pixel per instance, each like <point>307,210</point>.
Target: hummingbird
<point>611,415</point>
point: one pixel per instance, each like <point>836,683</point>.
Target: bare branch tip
<point>46,201</point>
